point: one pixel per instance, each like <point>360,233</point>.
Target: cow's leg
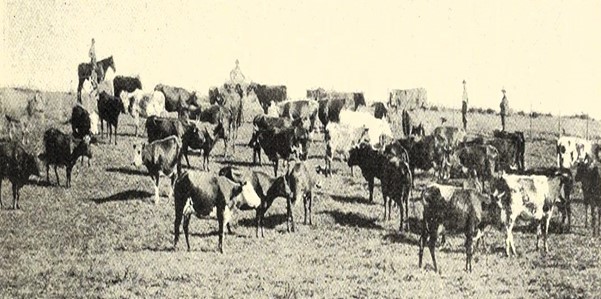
<point>47,173</point>
<point>220,220</point>
<point>15,196</point>
<point>310,198</point>
<point>116,127</point>
<point>207,162</point>
<point>275,168</point>
<point>58,183</point>
<point>469,248</point>
<point>509,238</point>
<point>179,211</point>
<point>185,148</point>
<point>546,222</point>
<point>401,226</point>
<point>586,212</point>
<point>1,194</point>
<point>422,242</point>
<point>432,244</point>
<point>289,216</point>
<point>173,178</point>
<point>156,189</point>
<point>593,220</point>
<point>370,186</point>
<point>258,221</point>
<point>187,229</point>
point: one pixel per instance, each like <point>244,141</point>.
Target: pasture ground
<point>104,237</point>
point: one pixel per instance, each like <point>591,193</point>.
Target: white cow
<point>144,104</point>
<point>375,129</point>
<point>571,150</point>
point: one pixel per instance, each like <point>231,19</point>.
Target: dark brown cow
<point>109,108</point>
<point>60,151</point>
<point>176,98</point>
<point>267,94</point>
<point>17,165</point>
<point>124,83</point>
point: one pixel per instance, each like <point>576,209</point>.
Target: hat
<point>463,81</point>
<point>503,90</point>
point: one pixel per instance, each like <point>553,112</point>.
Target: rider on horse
<point>94,77</point>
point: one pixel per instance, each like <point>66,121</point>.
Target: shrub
<point>490,111</point>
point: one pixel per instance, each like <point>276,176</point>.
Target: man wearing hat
<point>464,107</point>
<point>504,108</point>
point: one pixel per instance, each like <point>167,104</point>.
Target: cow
<point>176,98</point>
<point>567,184</point>
<point>109,108</point>
<point>283,144</point>
<point>587,173</point>
<point>481,159</point>
<point>17,165</point>
<point>62,150</point>
<point>380,110</point>
<point>267,94</point>
<point>142,104</point>
<point>518,143</point>
<point>16,126</point>
<point>425,153</point>
<point>375,129</point>
<point>124,83</point>
<point>199,193</point>
<point>571,150</point>
<point>301,187</point>
<point>231,100</point>
<point>330,107</point>
<point>418,130</point>
<point>303,110</point>
<point>450,136</point>
<point>264,122</point>
<point>396,181</point>
<point>459,210</point>
<point>161,156</point>
<point>266,187</point>
<point>201,136</point>
<point>528,196</point>
<point>339,140</point>
<point>163,127</point>
<point>81,123</point>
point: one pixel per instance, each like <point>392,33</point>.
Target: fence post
<point>559,125</point>
<point>530,117</point>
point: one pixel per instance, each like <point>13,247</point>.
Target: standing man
<point>464,107</point>
<point>504,107</point>
<point>94,75</point>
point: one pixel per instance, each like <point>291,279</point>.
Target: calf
<point>464,211</point>
<point>160,157</point>
<point>60,152</point>
<point>109,108</point>
<point>81,123</point>
<point>17,165</point>
<point>588,174</point>
<point>201,136</point>
<point>532,197</point>
<point>266,187</point>
<point>199,193</point>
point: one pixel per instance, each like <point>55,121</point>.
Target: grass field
<point>104,237</point>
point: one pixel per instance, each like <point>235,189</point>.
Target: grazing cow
<point>266,187</point>
<point>61,150</point>
<point>571,150</point>
<point>201,136</point>
<point>518,144</point>
<point>176,98</point>
<point>406,123</point>
<point>124,83</point>
<point>109,108</point>
<point>163,127</point>
<point>199,193</point>
<point>283,144</point>
<point>267,94</point>
<point>303,110</point>
<point>588,174</point>
<point>17,165</point>
<point>81,123</point>
<point>141,104</point>
<point>160,157</point>
<point>531,197</point>
<point>459,210</point>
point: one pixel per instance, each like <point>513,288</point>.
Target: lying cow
<point>17,165</point>
<point>531,197</point>
<point>160,157</point>
<point>459,210</point>
<point>199,193</point>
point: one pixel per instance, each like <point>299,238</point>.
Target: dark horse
<point>84,71</point>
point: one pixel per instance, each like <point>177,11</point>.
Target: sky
<point>546,54</point>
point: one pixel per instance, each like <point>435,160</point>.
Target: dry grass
<point>104,237</point>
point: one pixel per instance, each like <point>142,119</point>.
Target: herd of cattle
<point>496,187</point>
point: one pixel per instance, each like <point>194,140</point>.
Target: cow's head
<point>301,140</point>
<point>137,159</point>
<point>567,153</point>
<point>83,147</point>
<point>358,154</point>
<point>31,165</point>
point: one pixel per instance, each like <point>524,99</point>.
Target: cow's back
<point>201,187</point>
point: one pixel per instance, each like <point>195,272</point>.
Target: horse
<point>84,71</point>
